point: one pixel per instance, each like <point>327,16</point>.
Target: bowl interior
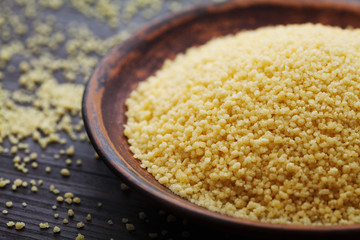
<point>139,57</point>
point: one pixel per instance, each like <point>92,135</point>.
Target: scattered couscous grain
<point>56,229</point>
<point>80,225</point>
<point>48,169</point>
<point>77,200</point>
<point>124,187</point>
<point>9,204</point>
<point>4,182</point>
<point>110,222</point>
<point>13,149</point>
<point>65,221</point>
<point>71,213</point>
<point>80,237</point>
<point>33,156</point>
<point>44,225</point>
<point>34,165</point>
<point>78,162</point>
<point>17,159</point>
<point>5,211</point>
<point>18,182</point>
<point>70,151</point>
<point>68,201</point>
<point>27,159</point>
<point>43,106</point>
<point>10,224</point>
<point>68,161</point>
<point>262,125</point>
<point>19,225</point>
<point>68,195</point>
<point>65,172</point>
<point>142,215</point>
<point>88,217</point>
<point>129,227</point>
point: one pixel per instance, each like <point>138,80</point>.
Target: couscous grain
<point>10,224</point>
<point>80,225</point>
<point>44,225</point>
<point>19,225</point>
<point>9,204</point>
<point>263,125</point>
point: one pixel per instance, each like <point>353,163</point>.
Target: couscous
<point>263,125</point>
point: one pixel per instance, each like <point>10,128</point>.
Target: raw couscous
<point>45,60</point>
<point>263,125</point>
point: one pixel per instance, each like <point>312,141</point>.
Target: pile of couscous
<point>263,125</point>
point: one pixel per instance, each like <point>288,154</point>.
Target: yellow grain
<point>263,125</point>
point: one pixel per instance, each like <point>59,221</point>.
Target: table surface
<point>93,182</point>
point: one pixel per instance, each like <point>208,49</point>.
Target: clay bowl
<point>144,53</point>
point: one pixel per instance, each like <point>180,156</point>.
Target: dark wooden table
<point>93,182</point>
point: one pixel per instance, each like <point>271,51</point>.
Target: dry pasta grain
<point>263,125</point>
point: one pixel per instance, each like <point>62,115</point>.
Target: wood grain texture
<point>146,51</point>
<point>93,182</point>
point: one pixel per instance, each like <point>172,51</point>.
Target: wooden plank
<point>93,182</point>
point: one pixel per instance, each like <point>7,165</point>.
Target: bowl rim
<point>97,134</point>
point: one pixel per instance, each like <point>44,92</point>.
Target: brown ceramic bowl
<point>140,56</point>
